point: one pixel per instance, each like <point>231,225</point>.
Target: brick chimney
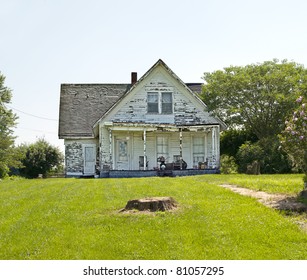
<point>134,78</point>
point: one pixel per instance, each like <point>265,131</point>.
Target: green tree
<point>40,158</point>
<point>232,139</point>
<point>274,159</point>
<point>294,137</point>
<point>7,123</point>
<point>256,97</point>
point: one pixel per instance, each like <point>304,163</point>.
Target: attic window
<point>153,102</point>
<point>159,103</point>
<point>167,104</point>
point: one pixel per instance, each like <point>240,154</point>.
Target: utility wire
<point>37,130</point>
<point>31,115</point>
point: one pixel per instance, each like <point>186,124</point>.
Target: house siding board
<point>74,158</point>
<point>105,157</point>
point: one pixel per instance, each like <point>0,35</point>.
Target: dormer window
<point>159,103</point>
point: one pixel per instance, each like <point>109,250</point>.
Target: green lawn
<point>79,219</point>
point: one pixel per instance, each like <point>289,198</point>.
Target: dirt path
<point>276,201</point>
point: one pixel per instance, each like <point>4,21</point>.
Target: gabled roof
<point>82,105</point>
<point>192,88</point>
<point>163,64</point>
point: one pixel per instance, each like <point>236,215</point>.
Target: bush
<point>40,158</point>
<point>228,165</point>
<point>249,154</point>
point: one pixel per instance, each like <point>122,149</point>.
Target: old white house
<point>156,125</point>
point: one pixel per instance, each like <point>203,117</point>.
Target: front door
<point>89,159</point>
<point>122,155</point>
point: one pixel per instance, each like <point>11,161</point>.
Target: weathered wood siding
<point>187,110</point>
<point>74,158</point>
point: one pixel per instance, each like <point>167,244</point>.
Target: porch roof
<point>128,126</point>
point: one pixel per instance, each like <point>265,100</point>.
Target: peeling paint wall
<point>187,110</point>
<point>74,158</point>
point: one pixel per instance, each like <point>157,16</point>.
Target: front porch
<point>127,148</point>
<point>155,173</point>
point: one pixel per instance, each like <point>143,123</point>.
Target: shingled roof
<point>81,105</point>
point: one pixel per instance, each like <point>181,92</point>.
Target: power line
<point>37,130</point>
<point>31,115</point>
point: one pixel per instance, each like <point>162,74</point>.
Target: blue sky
<point>44,43</point>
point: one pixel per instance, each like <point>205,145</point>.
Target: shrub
<point>228,165</point>
<point>249,154</point>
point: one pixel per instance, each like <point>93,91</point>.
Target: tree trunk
<point>152,204</point>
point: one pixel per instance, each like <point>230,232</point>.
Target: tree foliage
<point>40,158</point>
<point>232,139</point>
<point>256,97</point>
<point>7,122</point>
<point>294,137</point>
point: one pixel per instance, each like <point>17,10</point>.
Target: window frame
<point>163,108</point>
<point>151,104</point>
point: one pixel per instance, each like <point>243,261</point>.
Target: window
<point>167,104</point>
<point>198,150</point>
<point>159,103</point>
<point>153,102</point>
<point>162,146</point>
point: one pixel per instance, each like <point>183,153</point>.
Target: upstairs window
<point>153,102</point>
<point>167,103</point>
<point>160,103</point>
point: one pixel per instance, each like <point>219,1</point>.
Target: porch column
<point>110,149</point>
<point>145,158</point>
<point>217,146</point>
<point>180,147</point>
<point>213,147</point>
<point>206,149</point>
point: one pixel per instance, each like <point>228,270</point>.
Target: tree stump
<point>152,204</point>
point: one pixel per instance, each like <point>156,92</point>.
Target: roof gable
<point>83,106</point>
<point>160,62</point>
<point>188,108</point>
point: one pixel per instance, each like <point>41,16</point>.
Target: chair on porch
<point>177,164</point>
<point>141,163</point>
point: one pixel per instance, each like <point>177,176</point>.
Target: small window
<point>167,104</point>
<point>153,102</point>
<point>159,103</point>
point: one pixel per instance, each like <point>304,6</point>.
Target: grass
<point>282,183</point>
<point>80,219</point>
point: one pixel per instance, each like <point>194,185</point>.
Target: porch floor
<point>155,173</point>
